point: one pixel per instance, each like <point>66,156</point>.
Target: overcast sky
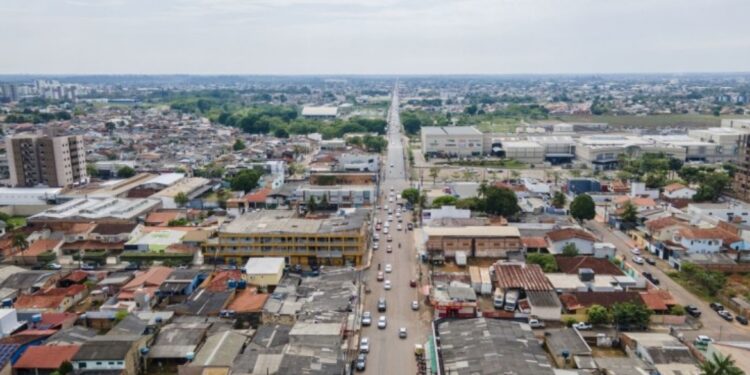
<point>373,36</point>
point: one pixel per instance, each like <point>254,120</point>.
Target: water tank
<point>7,302</point>
<point>586,274</point>
<point>190,356</point>
<point>144,350</point>
<point>232,284</point>
<point>36,318</point>
<point>242,284</point>
<point>158,320</point>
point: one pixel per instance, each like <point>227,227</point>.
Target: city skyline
<point>387,37</point>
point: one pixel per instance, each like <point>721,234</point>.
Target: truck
<point>498,299</point>
<point>511,298</point>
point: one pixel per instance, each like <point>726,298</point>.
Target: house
<point>116,355</point>
<point>43,303</point>
<point>678,191</point>
<point>492,241</point>
<point>565,344</point>
<point>114,232</point>
<point>699,240</point>
<point>661,350</point>
<point>664,228</point>
<point>581,239</point>
<point>8,322</point>
<point>146,282</point>
<point>180,284</point>
<point>572,265</point>
<point>38,360</point>
<point>641,203</point>
<point>250,201</point>
<point>219,350</point>
<point>732,212</point>
<point>36,249</point>
<point>264,272</point>
<point>247,306</point>
<point>176,340</point>
<point>535,244</point>
<point>531,283</point>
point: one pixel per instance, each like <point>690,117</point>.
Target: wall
<point>584,247</point>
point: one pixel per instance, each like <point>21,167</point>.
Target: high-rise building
<point>42,160</point>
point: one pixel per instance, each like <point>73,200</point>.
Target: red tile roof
<point>534,242</point>
<point>77,276</point>
<point>674,187</point>
<point>218,282</point>
<point>571,265</point>
<point>637,201</point>
<point>576,300</point>
<point>258,196</point>
<point>570,233</point>
<point>155,276</point>
<point>653,301</point>
<point>248,300</point>
<point>40,246</point>
<point>70,291</point>
<point>522,276</point>
<point>57,319</point>
<point>663,222</point>
<point>46,357</point>
<point>163,217</point>
<point>39,302</point>
<point>707,233</point>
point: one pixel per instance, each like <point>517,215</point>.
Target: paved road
<point>389,354</point>
<point>713,325</point>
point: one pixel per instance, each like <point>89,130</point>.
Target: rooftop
<point>450,130</point>
<point>521,276</point>
<point>473,231</point>
<point>264,266</point>
<point>279,221</point>
<point>46,357</point>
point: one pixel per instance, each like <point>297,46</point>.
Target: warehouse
<point>475,241</point>
<point>524,151</point>
<point>452,141</point>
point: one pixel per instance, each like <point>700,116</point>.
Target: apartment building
<point>452,141</point>
<point>50,161</point>
<point>335,240</point>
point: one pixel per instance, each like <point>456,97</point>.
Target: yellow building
<point>264,271</point>
<point>336,240</point>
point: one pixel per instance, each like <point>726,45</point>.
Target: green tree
<point>324,202</point>
<point>238,145</point>
<point>570,250</point>
<point>91,170</point>
<point>558,200</point>
<point>678,310</point>
<point>720,365</point>
<point>598,314</point>
<point>434,173</point>
<point>445,200</point>
<point>120,315</point>
<point>583,208</point>
<point>21,243</point>
<point>712,187</point>
<point>66,368</point>
<point>281,133</point>
<point>125,172</point>
<point>246,180</point>
<point>630,315</point>
<point>500,201</point>
<point>311,204</point>
<point>629,214</point>
<point>411,195</point>
<point>546,261</point>
<point>471,110</point>
<point>181,199</point>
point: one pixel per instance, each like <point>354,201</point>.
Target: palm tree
<point>20,242</point>
<point>720,365</point>
<point>434,172</point>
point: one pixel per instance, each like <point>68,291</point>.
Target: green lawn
<point>498,125</point>
<point>17,221</point>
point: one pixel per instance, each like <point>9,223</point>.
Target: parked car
<point>54,266</point>
<point>388,268</point>
<point>702,340</point>
<point>409,226</point>
<point>636,251</point>
<point>413,283</point>
<point>582,326</point>
<point>402,333</point>
<point>651,261</point>
<point>415,305</point>
<point>361,362</point>
<point>726,315</point>
<point>366,318</point>
<point>382,322</point>
<point>716,306</point>
<point>387,285</point>
<point>637,260</point>
<point>536,323</point>
<point>381,276</point>
<point>88,266</point>
<point>693,311</point>
<point>741,319</point>
<point>364,345</point>
<point>382,305</point>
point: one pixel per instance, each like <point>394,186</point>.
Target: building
<point>601,152</point>
<point>695,149</point>
<point>521,150</point>
<point>264,271</point>
<point>582,240</point>
<point>39,360</point>
<point>49,161</point>
<point>726,139</point>
<point>483,346</point>
<point>678,191</point>
<point>476,241</point>
<point>444,212</point>
<point>335,240</point>
<point>741,183</point>
<point>452,141</point>
<point>87,210</point>
<point>326,113</point>
<point>111,353</point>
<point>559,149</point>
<point>729,211</point>
<point>337,195</point>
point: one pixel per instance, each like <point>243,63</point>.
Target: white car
<point>637,260</point>
<point>582,326</point>
<point>364,345</point>
<point>388,268</point>
<point>636,251</point>
<point>399,227</point>
<point>375,246</point>
<point>385,230</point>
<point>366,318</point>
<point>402,333</point>
<point>415,305</point>
<point>382,323</point>
<point>387,285</point>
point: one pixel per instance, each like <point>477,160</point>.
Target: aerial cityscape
<point>330,187</point>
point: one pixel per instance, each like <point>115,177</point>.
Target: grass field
<point>685,121</point>
<point>498,126</point>
<point>17,221</point>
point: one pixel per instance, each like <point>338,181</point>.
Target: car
<point>375,246</point>
<point>385,231</point>
<point>650,261</point>
<point>391,186</point>
<point>741,319</point>
<point>536,323</point>
<point>54,266</point>
<point>391,167</point>
<point>582,326</point>
<point>364,345</point>
<point>376,237</point>
<point>636,251</point>
<point>388,268</point>
<point>693,311</point>
<point>726,315</point>
<point>382,322</point>
<point>400,220</point>
<point>387,285</point>
<point>88,266</point>
<point>409,226</point>
<point>702,340</point>
<point>381,276</point>
<point>361,362</point>
<point>413,283</point>
<point>402,333</point>
<point>637,260</point>
<point>366,318</point>
<point>132,266</point>
<point>415,305</point>
<point>399,227</point>
<point>389,250</point>
<point>390,239</point>
<point>716,306</point>
<point>382,304</point>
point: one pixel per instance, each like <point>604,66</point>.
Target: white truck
<point>511,298</point>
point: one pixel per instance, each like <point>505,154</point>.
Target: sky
<point>373,36</point>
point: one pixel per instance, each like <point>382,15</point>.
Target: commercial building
<point>558,149</point>
<point>264,271</point>
<point>320,112</point>
<point>452,141</point>
<point>521,150</point>
<point>601,152</point>
<point>475,241</point>
<point>339,196</point>
<point>336,240</point>
<point>96,210</point>
<point>695,149</point>
<point>50,161</point>
<point>726,138</point>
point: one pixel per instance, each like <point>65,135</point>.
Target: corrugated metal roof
<point>528,277</point>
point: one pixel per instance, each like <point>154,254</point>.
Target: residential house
<point>145,283</point>
<point>116,355</point>
<point>180,284</point>
<point>44,360</point>
<point>732,212</point>
<point>581,239</point>
<point>678,191</point>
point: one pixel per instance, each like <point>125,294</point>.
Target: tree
<point>311,205</point>
<point>712,187</point>
<point>125,172</point>
<point>246,180</point>
<point>181,199</point>
<point>720,365</point>
<point>570,250</point>
<point>238,145</point>
<point>598,314</point>
<point>445,200</point>
<point>411,195</point>
<point>281,133</point>
<point>678,310</point>
<point>91,170</point>
<point>558,200</point>
<point>20,242</point>
<point>629,315</point>
<point>65,368</point>
<point>583,208</point>
<point>324,202</point>
<point>471,110</point>
<point>546,261</point>
<point>434,173</point>
<point>500,201</point>
<point>629,214</point>
<point>120,315</point>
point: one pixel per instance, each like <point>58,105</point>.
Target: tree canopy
<point>445,200</point>
<point>411,195</point>
<point>245,180</point>
<point>630,315</point>
<point>238,145</point>
<point>598,314</point>
<point>720,365</point>
<point>125,172</point>
<point>583,208</point>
